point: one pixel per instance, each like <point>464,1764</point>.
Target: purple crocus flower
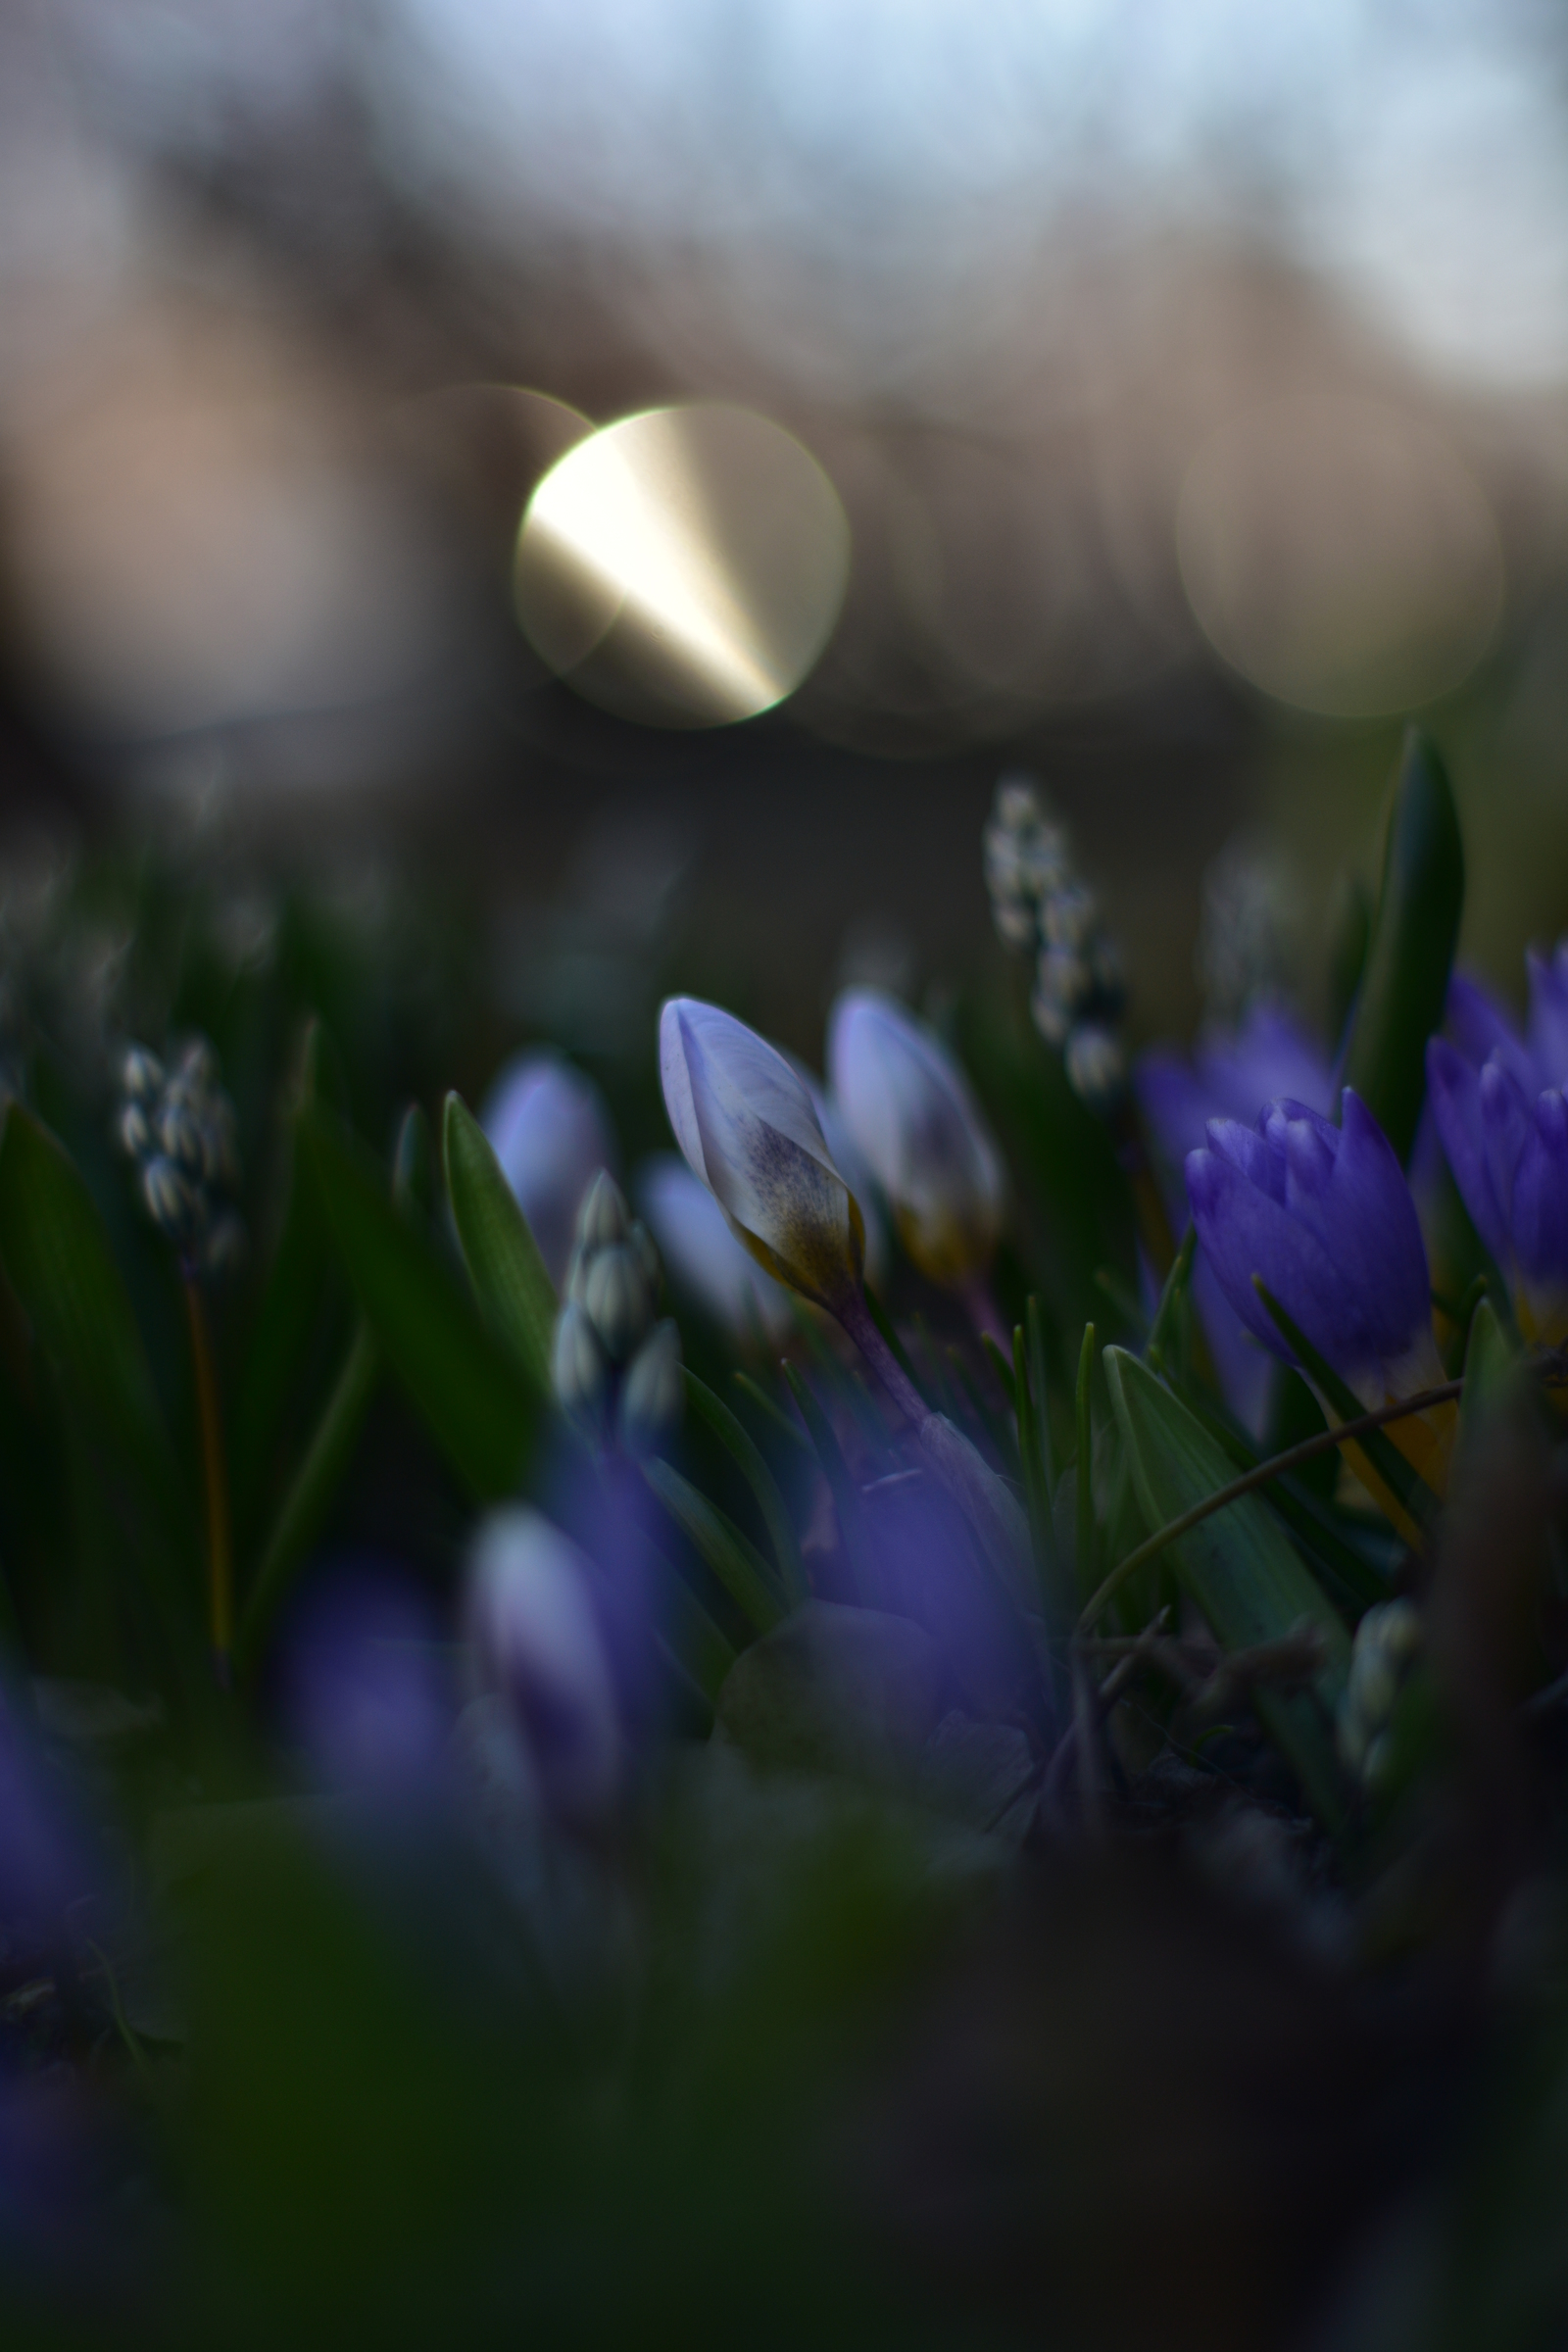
<point>1325,1216</point>
<point>1497,1101</point>
<point>1232,1077</point>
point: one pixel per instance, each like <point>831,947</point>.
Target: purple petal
<point>1453,1095</point>
<point>1250,1154</point>
<point>1506,1127</point>
<point>1540,1198</point>
<point>1548,1015</point>
<point>1244,1233</point>
<point>1374,1234</point>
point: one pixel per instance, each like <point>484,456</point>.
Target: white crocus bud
<point>536,1639</point>
<point>706,1262</point>
<point>745,1125</point>
<point>551,1135</point>
<point>653,1395</point>
<point>909,1107</point>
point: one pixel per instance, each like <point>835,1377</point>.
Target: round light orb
<point>684,566</point>
<point>1341,555</point>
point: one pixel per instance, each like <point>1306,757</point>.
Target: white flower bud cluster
<point>1388,1643</point>
<point>617,1368</point>
<point>1042,906</point>
<point>178,1127</point>
<point>1247,933</point>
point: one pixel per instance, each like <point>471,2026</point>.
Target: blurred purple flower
<point>1497,1102</point>
<point>363,1692</point>
<point>1325,1216</point>
<point>702,1256</point>
<point>552,1134</point>
<point>537,1637</point>
<point>1228,1077</point>
<point>43,1865</point>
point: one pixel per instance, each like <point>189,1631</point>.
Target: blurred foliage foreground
<point>763,1798</point>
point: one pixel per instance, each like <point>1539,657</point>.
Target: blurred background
<point>1168,399</point>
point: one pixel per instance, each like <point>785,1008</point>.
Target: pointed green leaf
<point>716,1416</point>
<point>1240,1566</point>
<point>468,1389</point>
<point>499,1250</point>
<point>719,1545</point>
<point>1491,1367</point>
<point>1404,985</point>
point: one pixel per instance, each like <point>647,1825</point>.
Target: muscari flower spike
<point>1497,1103</point>
<point>616,1369</point>
<point>1323,1216</point>
<point>178,1127</point>
<point>1041,905</point>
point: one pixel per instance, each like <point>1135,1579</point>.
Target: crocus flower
<point>1324,1217</point>
<point>746,1125</point>
<point>362,1687</point>
<point>1497,1101</point>
<point>551,1135</point>
<point>702,1256</point>
<point>744,1120</point>
<point>537,1638</point>
<point>912,1116</point>
<point>1230,1076</point>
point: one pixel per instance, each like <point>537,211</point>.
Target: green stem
<point>1085,1547</point>
<point>219,1542</point>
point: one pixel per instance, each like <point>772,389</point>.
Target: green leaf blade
<point>716,1416</point>
<point>467,1388</point>
<point>719,1543</point>
<point>508,1273</point>
<point>1238,1566</point>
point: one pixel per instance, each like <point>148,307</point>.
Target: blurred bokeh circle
<point>1341,555</point>
<point>683,567</point>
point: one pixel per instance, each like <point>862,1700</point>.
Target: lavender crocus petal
<point>1249,1153</point>
<point>1505,1126</point>
<point>1311,1149</point>
<point>535,1630</point>
<point>552,1134</point>
<point>1540,1202</point>
<point>361,1693</point>
<point>1547,1029</point>
<point>1244,1232</point>
<point>1374,1234</point>
<point>1244,1368</point>
<point>1454,1095</point>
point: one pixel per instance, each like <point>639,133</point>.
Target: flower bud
<point>141,1075</point>
<point>909,1111</point>
<point>197,1066</point>
<point>1387,1642</point>
<point>179,1135</point>
<point>537,1639</point>
<point>172,1201</point>
<point>603,1218</point>
<point>578,1370</point>
<point>653,1395</point>
<point>223,1251</point>
<point>1069,917</point>
<point>134,1131</point>
<point>1096,1068</point>
<point>745,1124</point>
<point>617,1298</point>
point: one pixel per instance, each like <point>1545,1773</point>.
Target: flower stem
<point>220,1552</point>
<point>856,1319</point>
